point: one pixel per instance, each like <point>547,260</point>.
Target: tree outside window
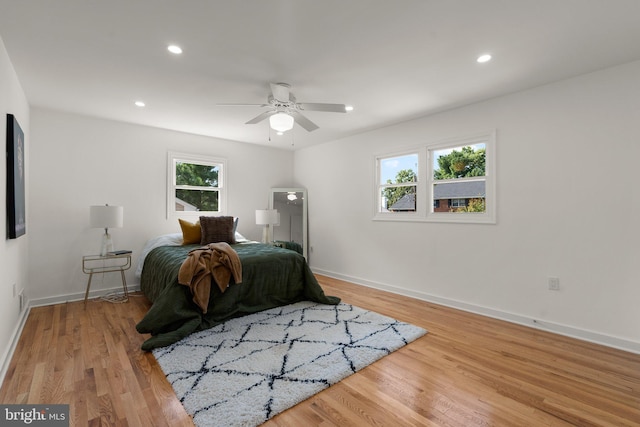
<point>195,185</point>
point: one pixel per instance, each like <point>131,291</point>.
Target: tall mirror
<point>291,231</point>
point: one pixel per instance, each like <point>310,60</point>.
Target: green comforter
<point>271,277</point>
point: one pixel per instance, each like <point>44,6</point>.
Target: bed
<point>271,277</point>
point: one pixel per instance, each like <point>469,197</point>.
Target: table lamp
<point>106,217</point>
<point>266,217</point>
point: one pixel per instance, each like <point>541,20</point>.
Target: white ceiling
<point>392,60</point>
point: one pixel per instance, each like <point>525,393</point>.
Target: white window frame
<point>424,189</point>
<point>176,157</point>
<point>380,186</point>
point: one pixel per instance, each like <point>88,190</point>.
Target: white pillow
<point>174,239</point>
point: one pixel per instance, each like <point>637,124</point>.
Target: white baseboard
<point>13,342</point>
<point>566,330</point>
<point>58,299</point>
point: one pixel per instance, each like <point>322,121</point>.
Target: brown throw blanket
<point>216,260</point>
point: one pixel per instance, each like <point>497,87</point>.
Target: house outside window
<point>455,183</point>
<point>456,195</point>
<point>195,185</point>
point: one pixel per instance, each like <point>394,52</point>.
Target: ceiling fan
<point>284,109</point>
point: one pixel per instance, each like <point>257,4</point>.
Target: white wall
<point>79,161</point>
<point>13,253</point>
<point>568,206</point>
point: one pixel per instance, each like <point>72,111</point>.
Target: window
<point>397,183</point>
<point>195,185</point>
<point>461,178</point>
<point>458,203</point>
<point>456,183</point>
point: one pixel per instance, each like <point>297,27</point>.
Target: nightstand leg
<point>86,294</point>
<point>124,286</point>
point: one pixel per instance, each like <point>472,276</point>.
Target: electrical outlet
<point>554,283</point>
<point>21,301</point>
<point>15,290</point>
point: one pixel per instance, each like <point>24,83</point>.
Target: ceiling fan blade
<point>260,117</point>
<point>280,91</point>
<point>242,105</point>
<point>303,121</point>
<point>332,108</point>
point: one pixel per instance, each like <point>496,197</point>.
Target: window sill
<point>461,218</point>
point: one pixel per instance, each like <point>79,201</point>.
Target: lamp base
<point>107,244</point>
<point>265,234</point>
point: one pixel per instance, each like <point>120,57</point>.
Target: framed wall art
<point>16,212</point>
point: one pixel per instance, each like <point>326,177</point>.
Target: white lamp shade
<point>266,216</point>
<point>281,122</point>
<point>106,216</point>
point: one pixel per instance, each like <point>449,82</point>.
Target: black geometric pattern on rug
<point>248,369</point>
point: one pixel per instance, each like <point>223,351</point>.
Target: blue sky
<point>390,167</point>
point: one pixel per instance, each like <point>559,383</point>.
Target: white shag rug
<point>248,369</point>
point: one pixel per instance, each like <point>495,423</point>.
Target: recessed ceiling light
<point>484,58</point>
<point>174,49</point>
<point>140,104</point>
<point>348,108</point>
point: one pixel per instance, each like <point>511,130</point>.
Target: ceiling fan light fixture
<point>281,122</point>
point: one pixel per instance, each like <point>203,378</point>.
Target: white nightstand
<point>105,264</point>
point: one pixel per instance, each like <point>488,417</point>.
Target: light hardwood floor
<point>468,370</point>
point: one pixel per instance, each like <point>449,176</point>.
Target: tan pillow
<point>190,232</point>
<point>214,229</point>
